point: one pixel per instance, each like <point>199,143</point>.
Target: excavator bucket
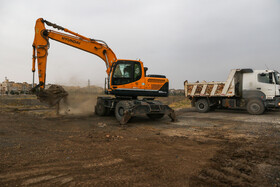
<point>52,96</point>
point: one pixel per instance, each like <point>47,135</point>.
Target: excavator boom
<point>41,46</point>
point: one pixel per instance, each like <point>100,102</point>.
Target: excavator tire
<point>100,108</point>
<point>122,107</point>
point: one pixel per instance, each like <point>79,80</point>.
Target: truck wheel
<point>155,116</point>
<point>202,105</point>
<point>121,107</point>
<point>100,108</point>
<point>255,107</point>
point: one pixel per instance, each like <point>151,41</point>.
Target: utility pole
<point>88,85</point>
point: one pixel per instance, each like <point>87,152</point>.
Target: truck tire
<point>100,108</point>
<point>155,116</point>
<point>255,107</point>
<point>121,107</point>
<point>202,105</point>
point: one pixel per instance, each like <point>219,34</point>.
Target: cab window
<point>123,71</point>
<point>265,78</point>
<point>126,72</point>
<point>277,77</point>
<point>137,71</point>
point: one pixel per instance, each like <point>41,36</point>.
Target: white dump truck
<point>254,90</point>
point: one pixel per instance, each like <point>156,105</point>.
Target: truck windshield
<point>277,77</point>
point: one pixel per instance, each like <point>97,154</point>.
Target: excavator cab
<point>126,72</point>
<point>129,79</point>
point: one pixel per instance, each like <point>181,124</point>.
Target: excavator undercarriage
<point>125,108</point>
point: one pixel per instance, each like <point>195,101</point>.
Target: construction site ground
<point>219,148</point>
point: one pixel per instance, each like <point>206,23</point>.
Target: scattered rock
<point>101,125</point>
<point>18,146</point>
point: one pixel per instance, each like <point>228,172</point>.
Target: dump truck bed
<point>211,89</point>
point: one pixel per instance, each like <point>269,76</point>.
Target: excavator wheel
<point>122,112</point>
<point>100,108</point>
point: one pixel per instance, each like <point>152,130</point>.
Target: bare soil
<point>220,148</point>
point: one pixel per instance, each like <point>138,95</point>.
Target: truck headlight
<point>278,104</point>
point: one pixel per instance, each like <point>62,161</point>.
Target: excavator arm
<point>41,46</point>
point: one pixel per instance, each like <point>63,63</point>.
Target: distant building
<point>10,87</point>
<point>176,92</point>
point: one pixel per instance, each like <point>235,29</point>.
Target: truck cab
<point>264,84</point>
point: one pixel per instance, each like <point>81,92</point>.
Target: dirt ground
<point>220,148</point>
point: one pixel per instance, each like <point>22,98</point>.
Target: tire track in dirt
<point>55,173</point>
<point>237,164</point>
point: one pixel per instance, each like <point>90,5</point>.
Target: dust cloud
<point>78,104</point>
<point>80,100</point>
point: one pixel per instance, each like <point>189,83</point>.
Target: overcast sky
<point>182,39</point>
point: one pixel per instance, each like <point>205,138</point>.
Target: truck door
<point>266,84</point>
<point>277,80</point>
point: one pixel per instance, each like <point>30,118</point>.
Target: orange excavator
<point>126,79</point>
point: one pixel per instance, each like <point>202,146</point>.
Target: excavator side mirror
<point>145,70</point>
